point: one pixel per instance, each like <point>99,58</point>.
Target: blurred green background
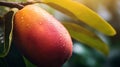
<point>83,56</point>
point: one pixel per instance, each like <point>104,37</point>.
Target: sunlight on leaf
<point>87,37</point>
<point>80,12</point>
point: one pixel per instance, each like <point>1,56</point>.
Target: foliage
<point>77,11</point>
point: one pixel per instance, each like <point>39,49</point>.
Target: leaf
<point>1,22</point>
<point>7,36</point>
<point>28,63</point>
<point>80,12</point>
<point>87,37</point>
<point>13,59</point>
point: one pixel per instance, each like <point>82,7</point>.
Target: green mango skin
<point>41,38</point>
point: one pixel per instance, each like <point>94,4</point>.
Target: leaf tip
<point>113,32</point>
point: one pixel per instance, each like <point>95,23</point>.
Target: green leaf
<point>28,63</point>
<point>1,22</point>
<point>87,37</point>
<point>82,13</point>
<point>7,36</point>
<point>13,59</point>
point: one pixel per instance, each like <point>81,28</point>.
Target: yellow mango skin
<point>41,38</point>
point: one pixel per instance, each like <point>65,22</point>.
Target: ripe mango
<point>41,38</point>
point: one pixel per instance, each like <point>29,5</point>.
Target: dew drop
<point>28,25</point>
<point>40,23</point>
<point>22,19</point>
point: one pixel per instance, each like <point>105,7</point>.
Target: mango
<point>42,39</point>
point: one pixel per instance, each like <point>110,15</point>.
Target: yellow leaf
<point>87,37</point>
<point>80,12</point>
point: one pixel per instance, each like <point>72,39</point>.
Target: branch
<point>11,4</point>
<point>16,4</point>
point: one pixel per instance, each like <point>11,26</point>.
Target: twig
<point>11,4</point>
